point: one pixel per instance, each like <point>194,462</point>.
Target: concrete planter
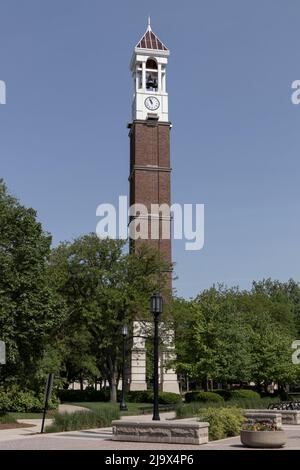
<point>264,439</point>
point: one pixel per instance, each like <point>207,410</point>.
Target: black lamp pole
<point>123,406</point>
<point>156,309</point>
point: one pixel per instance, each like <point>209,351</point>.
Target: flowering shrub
<point>266,425</point>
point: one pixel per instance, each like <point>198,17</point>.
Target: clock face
<point>152,103</point>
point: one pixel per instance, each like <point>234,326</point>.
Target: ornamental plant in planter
<point>263,434</point>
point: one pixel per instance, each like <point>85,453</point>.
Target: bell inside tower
<point>151,75</point>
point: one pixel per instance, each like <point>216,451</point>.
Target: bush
<point>192,409</point>
<point>203,396</point>
<point>23,401</point>
<point>83,395</point>
<point>53,403</point>
<point>136,396</point>
<point>169,398</point>
<point>146,396</point>
<point>139,396</point>
<point>243,393</point>
<point>84,419</point>
<point>223,422</point>
<point>5,401</point>
<point>226,394</point>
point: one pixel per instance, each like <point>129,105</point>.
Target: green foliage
<point>242,393</point>
<point>30,311</point>
<point>5,401</point>
<point>6,418</point>
<point>146,396</point>
<point>223,422</point>
<point>203,396</point>
<point>169,398</point>
<point>233,336</point>
<point>84,419</point>
<point>138,396</point>
<point>103,287</point>
<point>226,394</point>
<point>24,401</point>
<point>87,395</point>
<point>193,409</point>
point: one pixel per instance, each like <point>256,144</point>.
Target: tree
<point>273,332</point>
<point>103,287</point>
<point>285,297</point>
<point>215,343</point>
<point>234,336</point>
<point>30,312</point>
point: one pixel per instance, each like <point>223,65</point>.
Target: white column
<point>136,79</point>
<point>138,359</point>
<point>164,82</point>
<point>144,75</point>
<point>170,381</point>
<point>159,78</point>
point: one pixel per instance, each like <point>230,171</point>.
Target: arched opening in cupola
<point>151,75</point>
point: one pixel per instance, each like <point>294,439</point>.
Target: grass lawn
<point>133,408</point>
<point>12,417</point>
<point>16,415</point>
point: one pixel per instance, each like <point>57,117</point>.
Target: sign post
<point>48,391</point>
<point>2,353</point>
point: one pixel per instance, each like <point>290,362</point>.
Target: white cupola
<point>148,67</point>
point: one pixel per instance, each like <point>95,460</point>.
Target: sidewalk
<point>100,439</point>
<point>19,433</point>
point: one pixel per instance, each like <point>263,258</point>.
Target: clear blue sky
<point>235,138</point>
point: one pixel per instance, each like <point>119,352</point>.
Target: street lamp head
<point>156,303</point>
<point>124,330</point>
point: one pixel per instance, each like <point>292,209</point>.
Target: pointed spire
<point>150,40</point>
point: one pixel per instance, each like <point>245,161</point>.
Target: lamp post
<point>123,406</point>
<point>156,303</point>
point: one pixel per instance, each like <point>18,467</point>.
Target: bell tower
<point>150,178</point>
<point>148,67</point>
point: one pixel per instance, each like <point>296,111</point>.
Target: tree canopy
<point>30,312</point>
<point>102,287</point>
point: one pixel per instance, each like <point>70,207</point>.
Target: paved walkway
<point>100,439</point>
<point>93,439</point>
<point>19,433</point>
<point>65,408</point>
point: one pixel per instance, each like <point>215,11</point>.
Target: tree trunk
<point>112,379</point>
<point>113,390</point>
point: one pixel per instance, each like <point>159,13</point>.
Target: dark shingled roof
<point>151,41</point>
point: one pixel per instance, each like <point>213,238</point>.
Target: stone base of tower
<point>138,369</point>
<point>167,377</point>
<point>170,382</point>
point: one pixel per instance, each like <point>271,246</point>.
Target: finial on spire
<point>149,23</point>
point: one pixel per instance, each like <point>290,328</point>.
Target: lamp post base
<point>156,418</point>
<point>123,407</point>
